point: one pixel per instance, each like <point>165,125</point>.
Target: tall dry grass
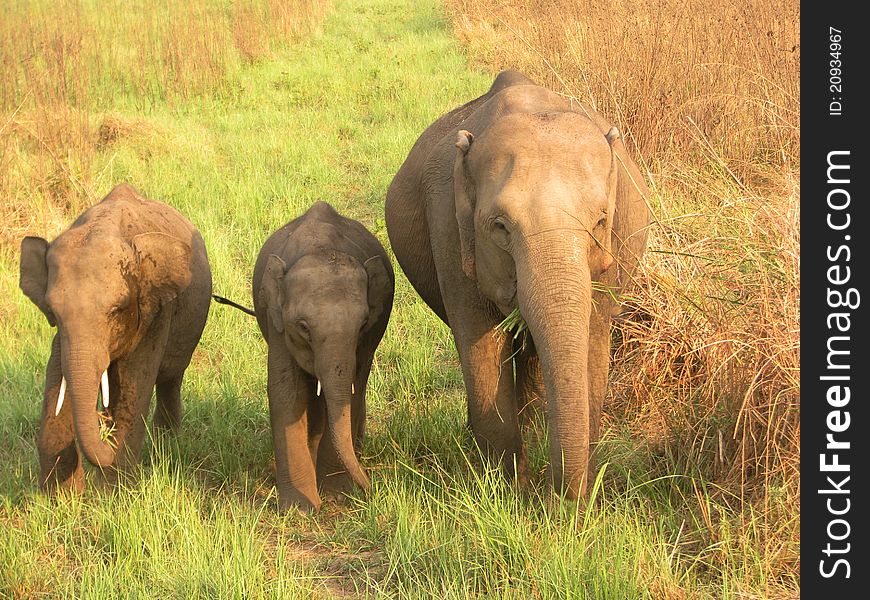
<point>707,95</point>
<point>147,51</point>
<point>70,70</point>
<point>690,79</point>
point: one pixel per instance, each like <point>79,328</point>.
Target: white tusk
<point>352,388</point>
<point>318,387</point>
<point>104,382</point>
<point>60,395</point>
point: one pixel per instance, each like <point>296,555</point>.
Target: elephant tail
<point>244,309</point>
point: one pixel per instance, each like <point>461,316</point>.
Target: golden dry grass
<point>61,75</point>
<point>157,50</point>
<point>707,96</point>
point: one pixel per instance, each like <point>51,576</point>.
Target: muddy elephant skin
<point>128,287</point>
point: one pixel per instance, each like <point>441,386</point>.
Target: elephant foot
<point>518,472</point>
<point>62,471</point>
<point>293,499</point>
<point>337,487</point>
<point>513,463</point>
<point>164,425</point>
<point>577,499</point>
<point>559,504</point>
<point>166,420</point>
<point>111,478</point>
<point>73,481</point>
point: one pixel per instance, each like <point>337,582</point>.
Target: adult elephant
<point>522,199</point>
<point>128,286</point>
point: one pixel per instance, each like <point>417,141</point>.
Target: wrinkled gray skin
<point>323,292</point>
<point>128,286</point>
<point>521,198</point>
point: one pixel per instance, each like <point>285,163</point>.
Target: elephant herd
<point>520,200</point>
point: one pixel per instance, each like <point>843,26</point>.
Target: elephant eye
<point>121,305</point>
<point>500,233</point>
<point>302,328</point>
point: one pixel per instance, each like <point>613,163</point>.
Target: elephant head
<point>535,199</point>
<point>323,304</point>
<point>102,293</point>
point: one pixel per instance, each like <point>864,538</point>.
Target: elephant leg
<point>130,391</point>
<point>485,355</point>
<point>131,384</point>
<point>332,477</point>
<point>316,423</point>
<point>176,358</point>
<point>598,367</point>
<point>167,413</point>
<point>60,464</point>
<point>484,352</point>
<point>289,397</point>
<point>358,406</point>
<point>531,391</point>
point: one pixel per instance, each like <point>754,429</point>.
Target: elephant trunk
<point>83,365</point>
<point>338,381</point>
<point>554,295</point>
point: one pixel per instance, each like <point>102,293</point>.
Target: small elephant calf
<point>128,286</point>
<point>323,291</point>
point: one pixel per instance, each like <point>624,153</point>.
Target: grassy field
<point>243,114</point>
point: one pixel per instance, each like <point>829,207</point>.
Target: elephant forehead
<point>87,246</point>
<point>319,280</point>
<point>97,265</point>
<point>535,147</point>
<point>543,194</point>
<point>328,309</point>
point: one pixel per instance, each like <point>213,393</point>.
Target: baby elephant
<point>323,291</point>
<point>128,286</point>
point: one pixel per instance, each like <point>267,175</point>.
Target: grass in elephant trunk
<point>515,324</point>
<point>331,117</point>
<point>107,428</point>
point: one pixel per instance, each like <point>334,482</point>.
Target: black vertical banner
<point>835,359</point>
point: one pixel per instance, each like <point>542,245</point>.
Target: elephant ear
<point>464,200</point>
<point>612,136</point>
<point>164,269</point>
<point>379,285</point>
<point>272,290</point>
<point>33,275</point>
<point>631,213</point>
<point>606,243</point>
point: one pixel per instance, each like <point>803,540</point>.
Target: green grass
<point>329,117</point>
